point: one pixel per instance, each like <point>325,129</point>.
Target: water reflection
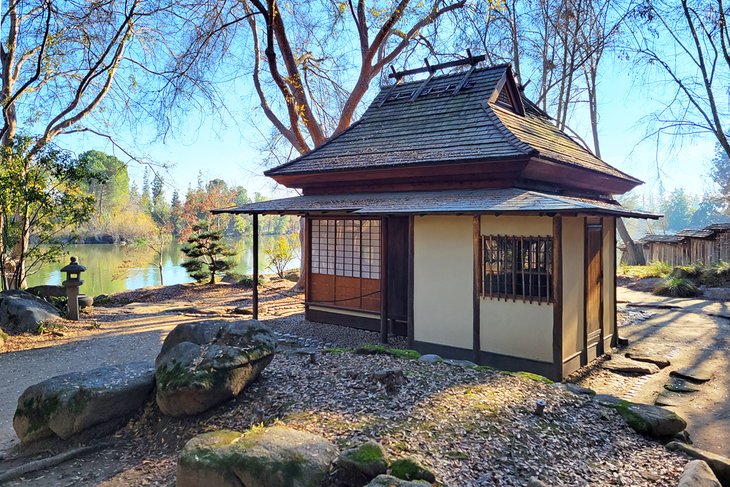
<point>114,268</point>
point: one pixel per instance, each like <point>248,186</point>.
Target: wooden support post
<point>411,283</point>
<point>476,288</point>
<point>384,280</point>
<point>255,289</point>
<point>558,297</point>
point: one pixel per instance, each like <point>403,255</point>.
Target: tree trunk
<point>634,255</point>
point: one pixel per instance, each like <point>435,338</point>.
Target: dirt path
<point>693,333</point>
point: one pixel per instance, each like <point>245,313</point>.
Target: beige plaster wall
<point>573,284</point>
<point>443,276</point>
<point>609,276</point>
<point>516,328</point>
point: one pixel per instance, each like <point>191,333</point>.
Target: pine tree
<point>146,200</point>
<point>206,254</point>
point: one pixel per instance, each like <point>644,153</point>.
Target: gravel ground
<point>472,427</point>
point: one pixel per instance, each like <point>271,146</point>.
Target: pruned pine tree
<point>207,254</point>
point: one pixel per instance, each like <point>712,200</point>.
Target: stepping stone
<point>658,360</point>
<point>666,398</point>
<point>697,373</point>
<point>677,384</point>
<point>621,364</point>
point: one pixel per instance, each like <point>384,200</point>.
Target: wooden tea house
<point>455,213</point>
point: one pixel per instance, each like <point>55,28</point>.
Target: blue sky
<point>232,150</point>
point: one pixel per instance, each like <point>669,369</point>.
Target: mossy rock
<point>407,469</point>
<point>3,338</point>
<point>264,457</point>
<point>204,364</point>
<point>66,405</point>
<point>361,464</point>
<point>645,419</point>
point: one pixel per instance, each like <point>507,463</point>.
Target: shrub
<point>678,287</point>
<point>686,271</point>
<point>280,252</point>
<point>717,275</point>
<point>247,280</point>
<point>654,268</point>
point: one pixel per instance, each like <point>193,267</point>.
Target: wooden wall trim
<point>614,337</point>
<point>384,280</point>
<point>476,288</point>
<point>411,281</point>
<point>558,296</point>
<point>255,287</point>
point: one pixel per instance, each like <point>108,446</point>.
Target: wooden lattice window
<point>346,247</point>
<point>517,268</point>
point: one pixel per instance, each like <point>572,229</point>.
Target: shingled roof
<point>488,201</point>
<point>448,122</point>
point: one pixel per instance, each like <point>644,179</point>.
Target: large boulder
<point>68,404</point>
<point>698,474</point>
<point>21,311</point>
<point>48,291</point>
<point>720,465</point>
<point>204,364</point>
<point>265,457</point>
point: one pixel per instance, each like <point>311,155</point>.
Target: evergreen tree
<point>146,199</point>
<point>206,253</point>
<point>720,171</point>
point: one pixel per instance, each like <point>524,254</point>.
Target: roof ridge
<point>446,75</point>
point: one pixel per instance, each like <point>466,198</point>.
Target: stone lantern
<point>72,283</point>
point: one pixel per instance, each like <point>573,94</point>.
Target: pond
<point>113,268</point>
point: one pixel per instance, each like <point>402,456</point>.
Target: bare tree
<point>687,43</point>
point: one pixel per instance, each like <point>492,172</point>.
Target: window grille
<point>346,247</point>
<point>517,268</point>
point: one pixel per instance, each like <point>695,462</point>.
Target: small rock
<point>430,358</point>
<point>622,342</point>
<point>697,373</point>
<point>684,437</point>
<point>360,465</point>
<point>267,457</point>
<point>677,384</point>
<point>698,474</point>
<point>535,482</point>
<point>390,481</point>
<point>407,469</point>
<point>658,360</point>
<point>389,377</point>
<point>626,365</point>
<point>460,363</point>
<point>717,463</point>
